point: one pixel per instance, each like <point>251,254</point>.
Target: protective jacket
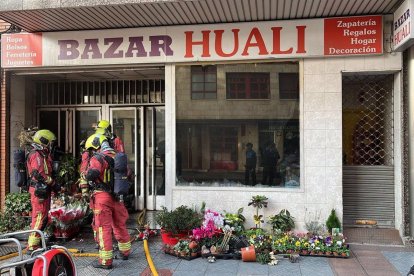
<point>110,216</point>
<point>39,167</point>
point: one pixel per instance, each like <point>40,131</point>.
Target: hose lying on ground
<point>149,259</point>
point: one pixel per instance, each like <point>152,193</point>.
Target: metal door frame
<point>144,200</point>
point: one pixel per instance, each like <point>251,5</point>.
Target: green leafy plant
<point>282,221</point>
<point>18,204</point>
<point>263,258</point>
<point>182,246</point>
<point>68,171</point>
<point>10,223</point>
<point>236,221</point>
<point>259,202</point>
<point>333,221</point>
<point>179,220</point>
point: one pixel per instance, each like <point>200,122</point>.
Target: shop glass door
<point>142,131</point>
<point>70,125</point>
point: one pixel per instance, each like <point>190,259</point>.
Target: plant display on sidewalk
<point>224,235</point>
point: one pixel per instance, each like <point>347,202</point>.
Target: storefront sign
<point>361,35</point>
<point>402,35</point>
<point>21,50</point>
<point>352,35</point>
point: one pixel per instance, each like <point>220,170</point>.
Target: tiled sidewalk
<point>365,260</point>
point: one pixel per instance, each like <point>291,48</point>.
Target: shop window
<point>248,85</point>
<point>212,137</point>
<point>289,86</point>
<point>203,82</point>
<point>223,148</point>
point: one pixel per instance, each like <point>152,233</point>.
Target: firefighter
<point>105,128</point>
<point>83,183</point>
<point>39,169</point>
<point>110,215</point>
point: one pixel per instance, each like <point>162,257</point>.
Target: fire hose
<point>80,253</point>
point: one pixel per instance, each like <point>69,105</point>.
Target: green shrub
<point>179,220</point>
<point>18,203</point>
<point>333,221</point>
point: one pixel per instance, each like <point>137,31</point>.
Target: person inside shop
<point>110,215</point>
<point>41,183</point>
<point>270,159</point>
<point>105,128</point>
<point>250,166</point>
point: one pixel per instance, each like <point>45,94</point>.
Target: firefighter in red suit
<point>110,215</point>
<point>83,183</point>
<point>39,168</point>
<point>105,128</point>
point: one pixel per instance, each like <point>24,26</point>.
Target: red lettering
<point>301,39</point>
<point>189,43</point>
<point>255,33</point>
<point>276,42</point>
<point>219,43</point>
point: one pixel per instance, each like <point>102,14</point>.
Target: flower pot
<point>335,253</point>
<point>194,254</point>
<point>344,254</point>
<point>248,254</point>
<point>170,239</point>
<point>305,252</point>
<point>328,253</point>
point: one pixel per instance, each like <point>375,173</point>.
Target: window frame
<point>205,70</point>
<point>288,94</point>
<point>250,78</point>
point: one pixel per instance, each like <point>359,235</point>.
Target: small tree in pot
<point>178,222</point>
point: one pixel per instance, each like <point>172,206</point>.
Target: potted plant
<point>182,248</point>
<point>282,221</point>
<point>194,248</point>
<point>177,223</point>
<point>236,221</point>
<point>259,202</point>
<point>332,221</point>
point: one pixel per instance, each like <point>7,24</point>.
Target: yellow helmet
<point>44,137</point>
<point>103,131</point>
<point>105,125</point>
<point>95,141</point>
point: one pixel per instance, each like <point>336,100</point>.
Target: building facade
<point>321,101</point>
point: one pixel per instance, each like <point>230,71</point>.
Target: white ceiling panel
<point>179,12</point>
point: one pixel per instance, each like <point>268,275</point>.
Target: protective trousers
<point>110,215</point>
<point>40,210</point>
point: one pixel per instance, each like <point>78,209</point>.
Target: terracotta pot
<point>194,254</point>
<point>248,254</point>
<point>344,254</point>
<point>328,253</point>
<point>305,252</point>
<point>335,253</point>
